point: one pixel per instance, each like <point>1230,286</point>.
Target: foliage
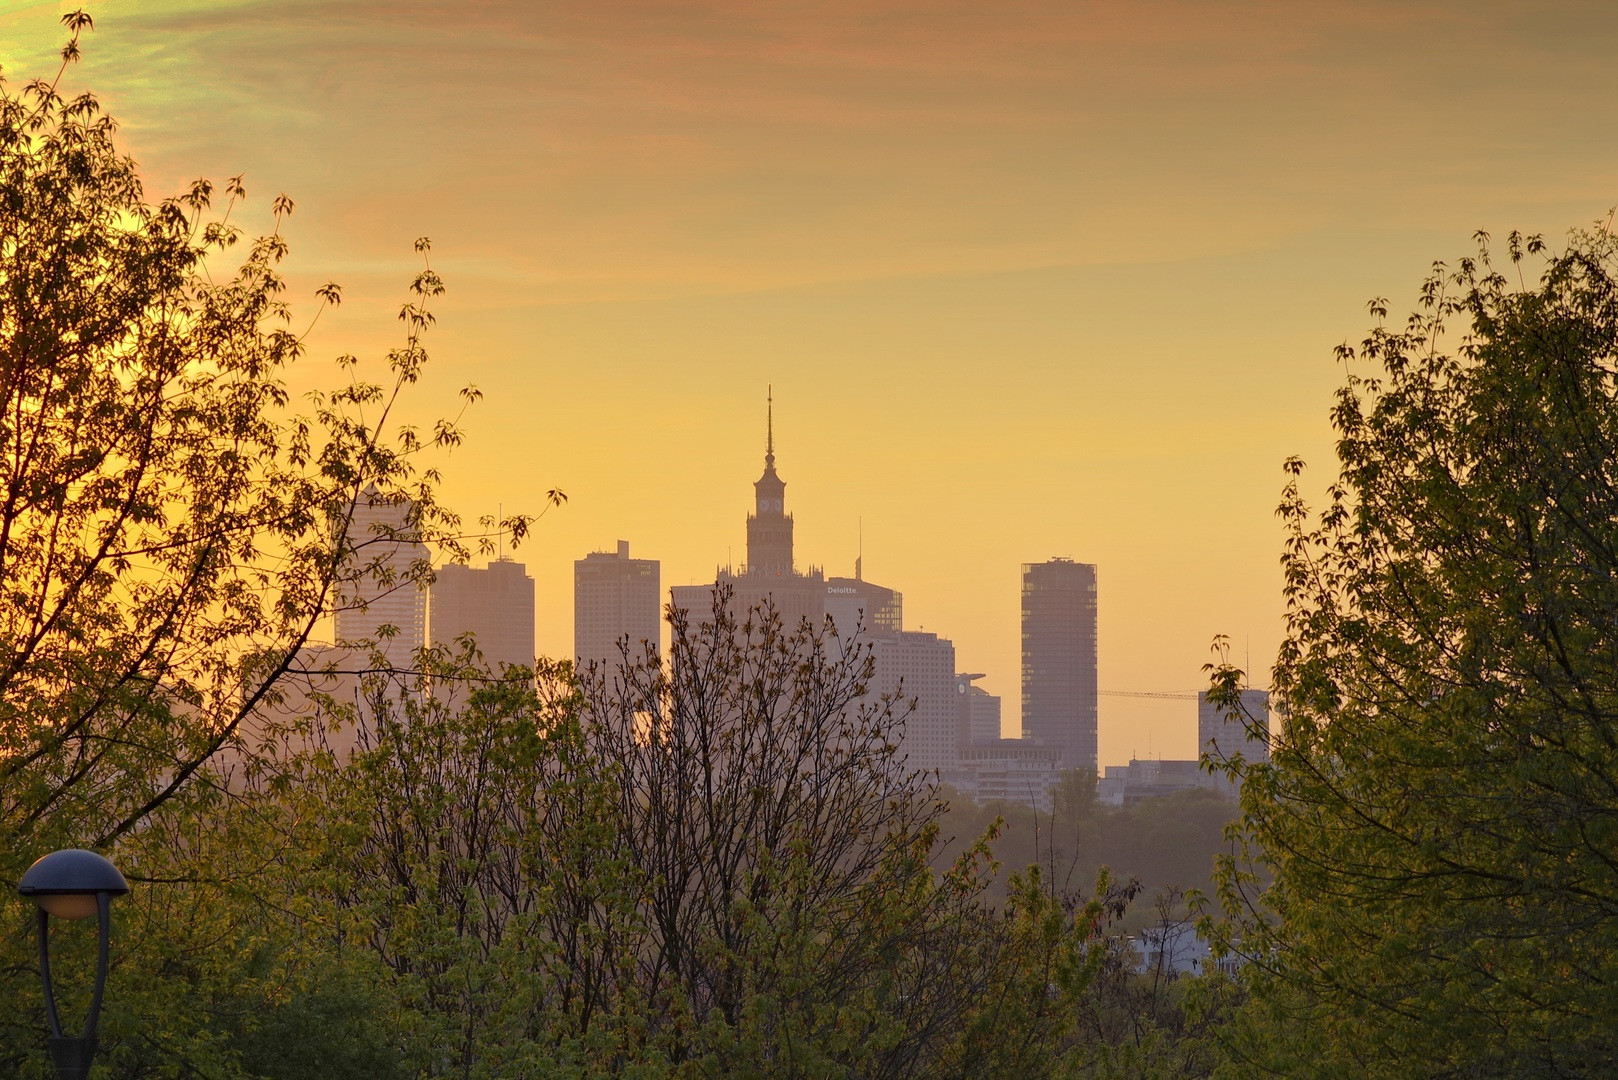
<point>165,513</point>
<point>1164,843</point>
<point>717,866</point>
<point>162,512</point>
<point>1441,809</point>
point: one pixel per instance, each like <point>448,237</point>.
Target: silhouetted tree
<point>164,513</point>
<point>1441,808</point>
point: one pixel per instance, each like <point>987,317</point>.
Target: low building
<point>1149,779</point>
<point>1020,771</point>
<point>1171,948</point>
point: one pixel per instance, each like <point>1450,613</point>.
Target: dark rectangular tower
<point>1059,659</point>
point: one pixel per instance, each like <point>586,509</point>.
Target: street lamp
<point>73,884</point>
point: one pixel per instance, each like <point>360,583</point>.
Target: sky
<point>1028,279</point>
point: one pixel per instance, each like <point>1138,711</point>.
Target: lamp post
<point>73,884</point>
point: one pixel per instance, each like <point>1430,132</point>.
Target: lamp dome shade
<point>62,881</point>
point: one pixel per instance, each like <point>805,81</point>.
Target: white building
<point>1221,737</point>
<point>615,597</point>
<point>381,593</point>
<point>1148,779</point>
<point>920,666</point>
<point>1020,771</point>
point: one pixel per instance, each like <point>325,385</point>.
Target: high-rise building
<point>770,574</point>
<point>856,604</point>
<point>380,595</point>
<point>980,710</point>
<point>1059,659</point>
<point>614,597</point>
<point>920,668</point>
<point>909,665</point>
<point>495,605</point>
<point>769,526</point>
<point>1220,736</point>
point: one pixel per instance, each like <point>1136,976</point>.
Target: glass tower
<point>1059,659</point>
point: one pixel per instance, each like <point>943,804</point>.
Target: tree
<point>716,867</point>
<point>171,528</point>
<point>1441,810</point>
<point>164,514</point>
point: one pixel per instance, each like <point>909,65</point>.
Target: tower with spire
<point>769,526</point>
<point>907,664</point>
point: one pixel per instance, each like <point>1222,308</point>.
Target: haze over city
<point>1029,280</point>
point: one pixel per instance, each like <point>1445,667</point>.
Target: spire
<point>769,527</point>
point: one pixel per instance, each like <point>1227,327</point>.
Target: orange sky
<point>1029,278</point>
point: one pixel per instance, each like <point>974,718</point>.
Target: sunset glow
<point>1029,279</point>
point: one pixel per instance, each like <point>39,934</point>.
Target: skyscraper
<point>980,710</point>
<point>857,604</point>
<point>912,666</point>
<point>1059,659</point>
<point>769,526</point>
<point>380,597</point>
<point>614,597</point>
<point>770,573</point>
<point>1220,737</point>
<point>920,667</point>
<point>495,605</point>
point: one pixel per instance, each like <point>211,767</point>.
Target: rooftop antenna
<point>500,531</point>
<point>859,559</point>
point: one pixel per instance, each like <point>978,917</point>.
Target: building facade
<point>856,605</point>
<point>919,670</point>
<point>1018,771</point>
<point>1148,779</point>
<point>1221,737</point>
<point>495,605</point>
<point>981,709</point>
<point>1059,659</point>
<point>615,597</point>
<point>381,593</point>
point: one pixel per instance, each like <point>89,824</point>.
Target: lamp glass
<point>68,905</point>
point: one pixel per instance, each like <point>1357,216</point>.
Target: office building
<point>919,668</point>
<point>1147,779</point>
<point>381,598</point>
<point>494,605</point>
<point>1059,659</point>
<point>1221,737</point>
<point>1018,771</point>
<point>857,605</point>
<point>980,709</point>
<point>615,599</point>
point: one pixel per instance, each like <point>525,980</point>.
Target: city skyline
<point>1038,281</point>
